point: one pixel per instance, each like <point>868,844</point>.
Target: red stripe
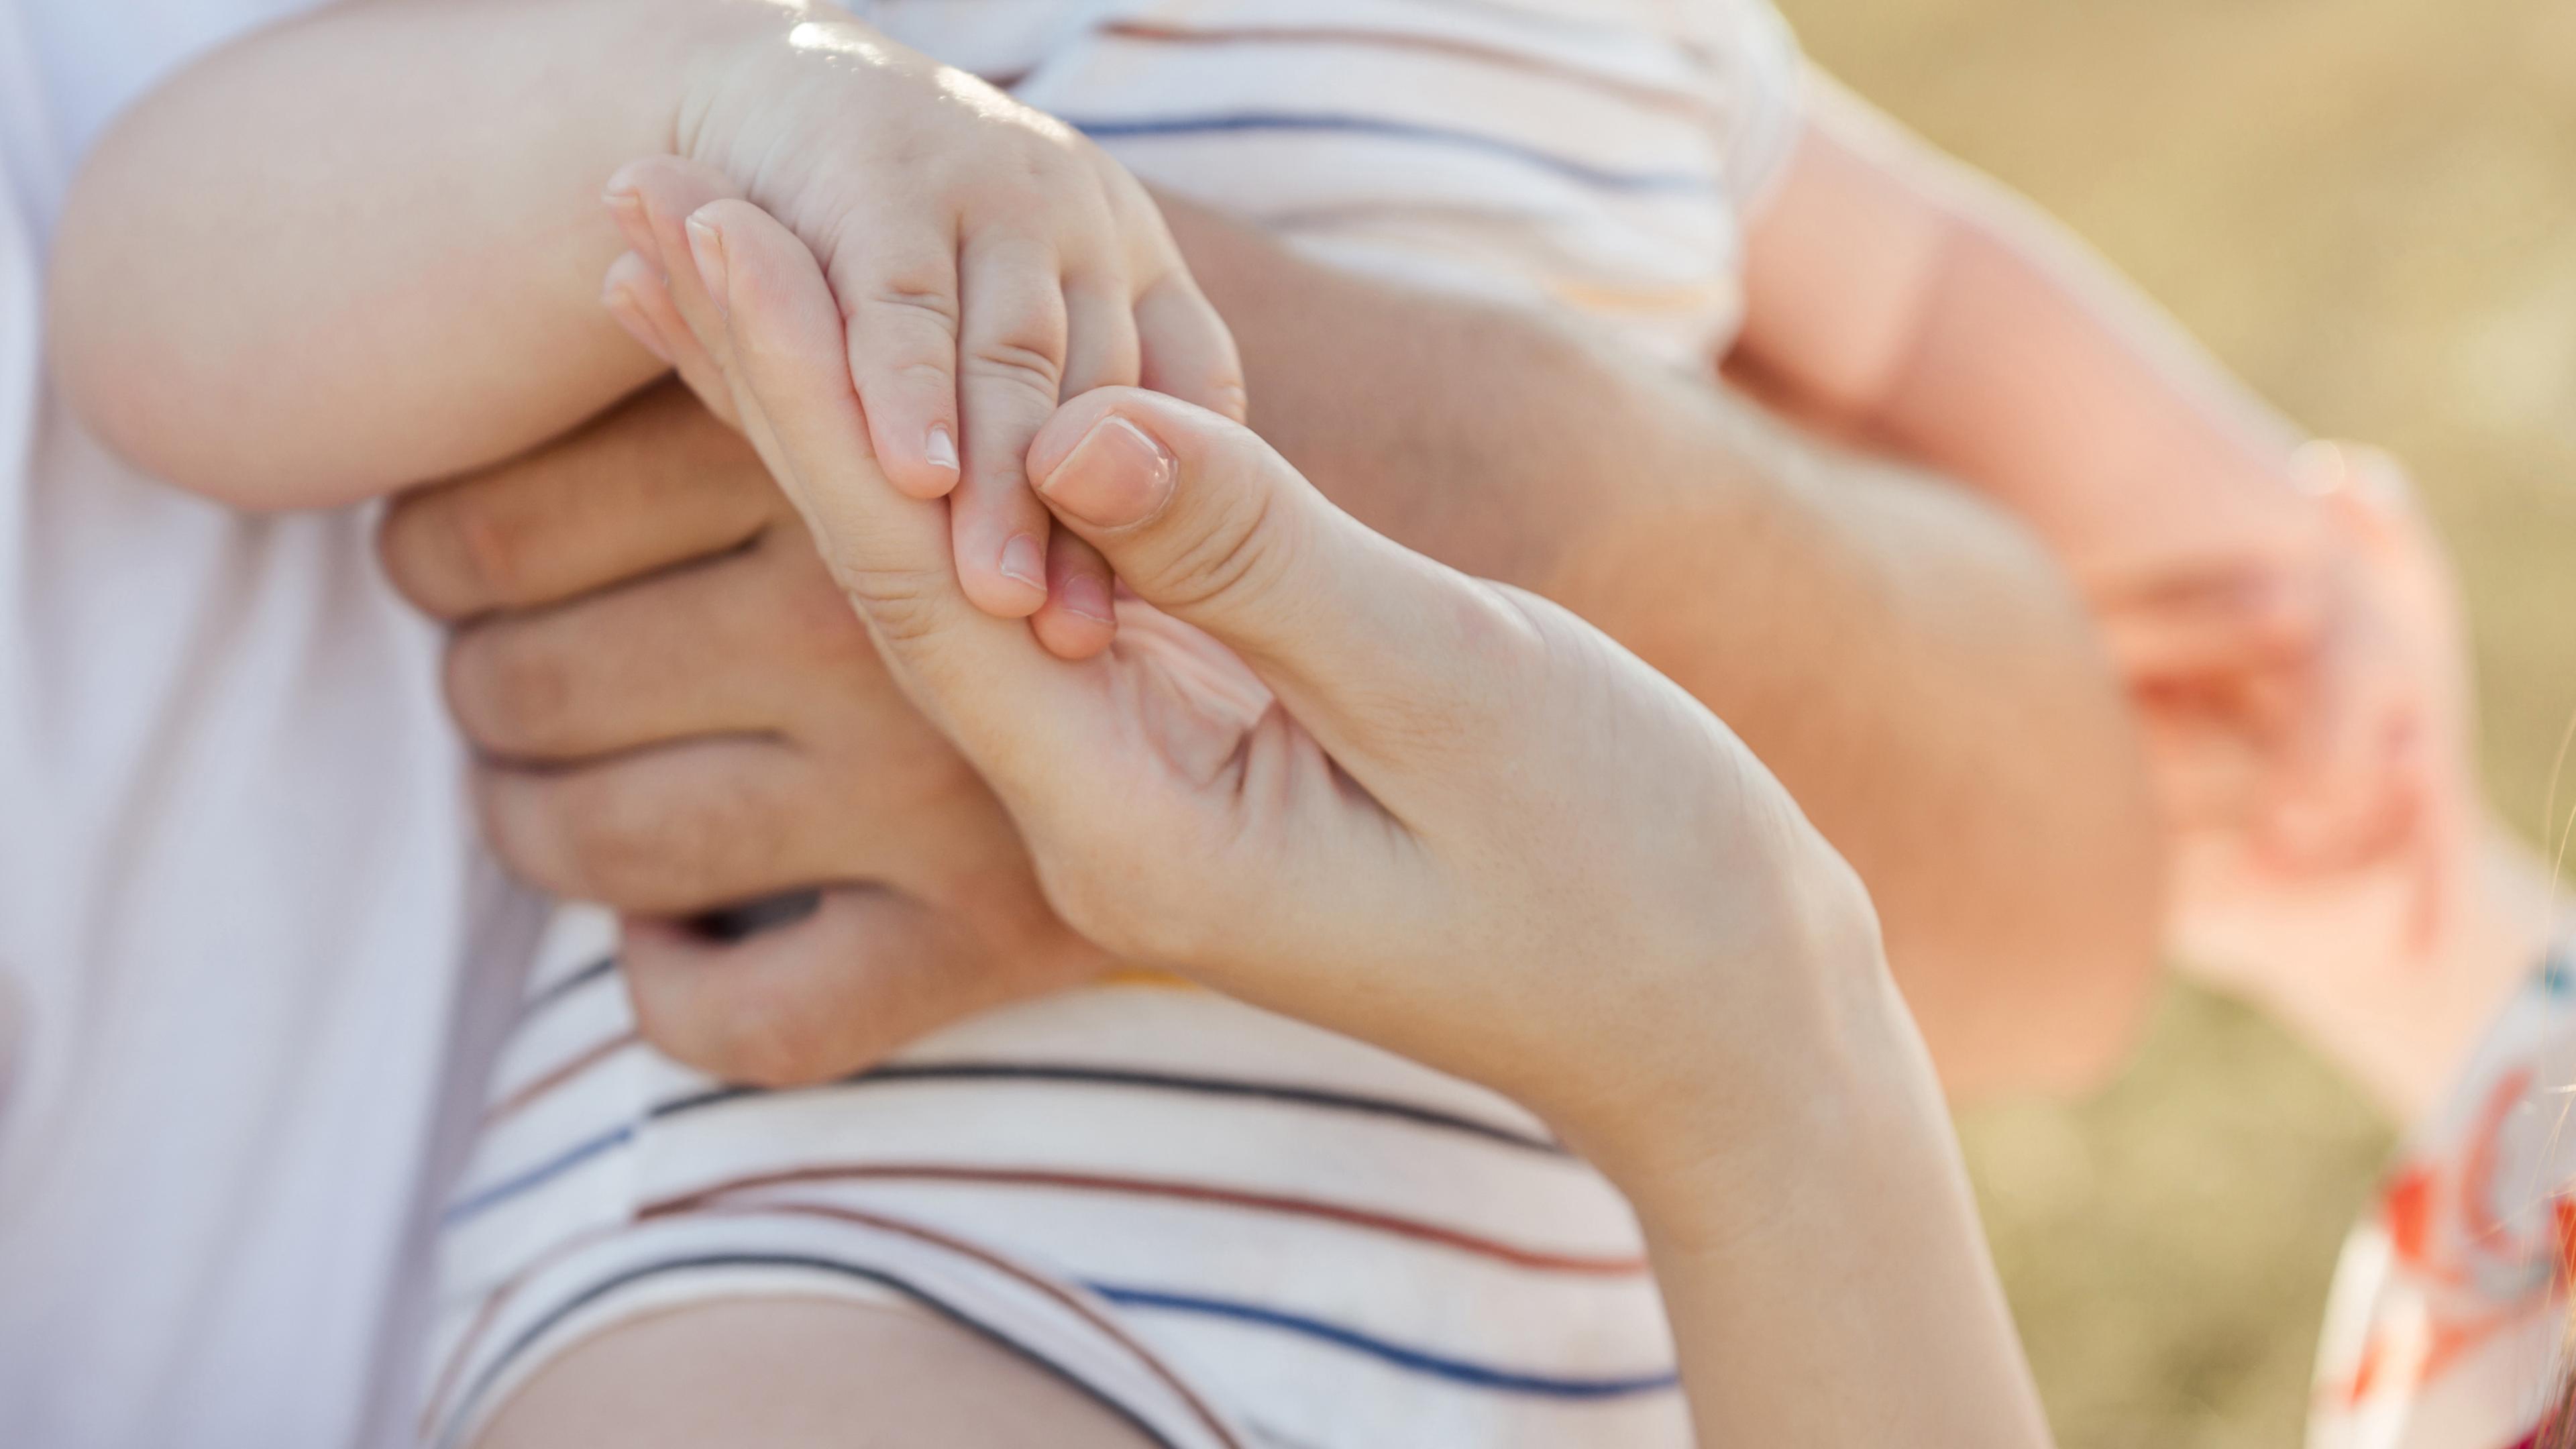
<point>1413,1228</point>
<point>518,1101</point>
<point>1652,97</point>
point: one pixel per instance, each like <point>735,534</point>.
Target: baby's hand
<point>987,263</point>
<point>2323,799</point>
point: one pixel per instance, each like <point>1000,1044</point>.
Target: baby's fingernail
<point>1024,562</point>
<point>1086,595</point>
<point>1117,475</point>
<point>706,248</point>
<point>941,449</point>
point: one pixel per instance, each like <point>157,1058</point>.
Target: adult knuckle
<point>654,852</point>
<point>508,691</point>
<point>1239,547</point>
<point>407,548</point>
<point>767,1036</point>
<point>495,549</point>
<point>447,555</point>
<point>900,604</point>
<point>506,804</point>
<point>731,1026</point>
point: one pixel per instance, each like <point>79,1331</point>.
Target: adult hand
<point>1333,777</point>
<point>1321,770</point>
<point>675,710</point>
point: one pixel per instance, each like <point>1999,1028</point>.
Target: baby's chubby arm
<point>1905,302</point>
<point>366,247</point>
<point>1895,295</point>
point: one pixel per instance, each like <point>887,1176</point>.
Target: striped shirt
<point>1594,154</point>
<point>1230,1228</point>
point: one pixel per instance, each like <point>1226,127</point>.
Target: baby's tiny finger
<point>1188,353</point>
<point>1184,348</point>
<point>2213,627</point>
<point>1078,619</point>
<point>2207,774</point>
<point>897,285</point>
<point>1010,363</point>
<point>1101,347</point>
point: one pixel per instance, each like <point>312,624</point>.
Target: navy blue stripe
<point>900,1072</point>
<point>1105,129</point>
<point>1458,1371</point>
<point>463,1413</point>
<point>563,1162</point>
<point>604,966</point>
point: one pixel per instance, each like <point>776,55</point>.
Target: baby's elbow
<point>165,428</point>
<point>124,363</point>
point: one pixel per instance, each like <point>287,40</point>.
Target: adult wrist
<point>1843,1066</point>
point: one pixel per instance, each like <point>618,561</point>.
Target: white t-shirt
<point>237,885</point>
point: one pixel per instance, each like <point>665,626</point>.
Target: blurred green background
<point>2368,207</point>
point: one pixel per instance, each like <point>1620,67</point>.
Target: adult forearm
<point>1852,1300</point>
<point>394,240</point>
<point>1908,662</point>
<point>1861,1305</point>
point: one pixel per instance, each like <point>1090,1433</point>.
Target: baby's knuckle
<point>916,300</point>
<point>1031,366</point>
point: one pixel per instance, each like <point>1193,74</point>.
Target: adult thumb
<point>1359,635</point>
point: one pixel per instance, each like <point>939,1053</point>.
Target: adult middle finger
<point>656,481</point>
<point>758,641</point>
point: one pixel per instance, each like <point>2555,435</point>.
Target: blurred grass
<point>2368,208</point>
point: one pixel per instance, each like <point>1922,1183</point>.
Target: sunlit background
<point>2368,207</point>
